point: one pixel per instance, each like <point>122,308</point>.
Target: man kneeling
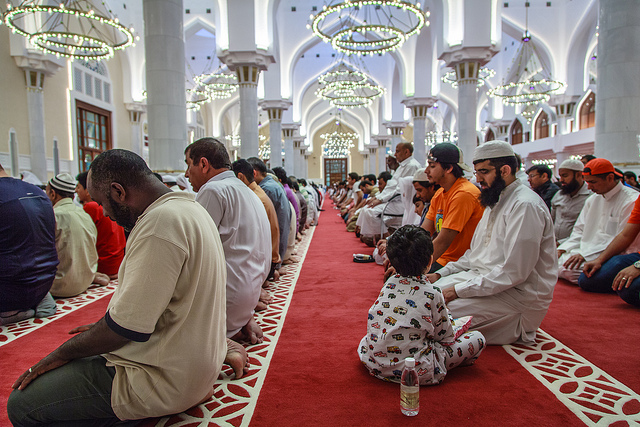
<point>159,348</point>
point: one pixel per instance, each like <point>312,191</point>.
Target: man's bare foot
<point>265,297</point>
<point>253,332</point>
<point>291,260</point>
<point>101,279</point>
<point>260,306</point>
<point>276,275</point>
<point>237,358</point>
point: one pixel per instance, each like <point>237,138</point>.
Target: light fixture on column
<point>338,141</point>
<point>436,137</point>
<point>368,27</point>
<point>345,87</point>
<point>72,29</point>
<point>264,151</point>
<point>220,85</point>
<point>529,79</point>
<point>483,75</point>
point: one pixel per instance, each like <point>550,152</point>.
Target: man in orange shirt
<point>455,209</point>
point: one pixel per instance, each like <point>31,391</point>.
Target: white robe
<point>505,280</point>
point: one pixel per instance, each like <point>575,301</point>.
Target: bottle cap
<point>410,362</point>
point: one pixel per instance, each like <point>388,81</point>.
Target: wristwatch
<point>637,265</point>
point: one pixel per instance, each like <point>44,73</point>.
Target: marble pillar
<point>274,111</point>
<point>299,162</point>
<point>467,108</point>
<point>165,77</point>
<point>288,131</point>
<point>419,108</point>
<point>37,138</point>
<point>381,142</point>
<point>136,110</point>
<point>395,130</point>
<point>373,162</point>
<point>618,84</point>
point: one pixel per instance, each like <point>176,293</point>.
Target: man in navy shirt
<point>28,258</point>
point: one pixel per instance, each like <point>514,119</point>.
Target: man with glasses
<point>603,216</point>
<point>540,181</point>
<point>506,278</point>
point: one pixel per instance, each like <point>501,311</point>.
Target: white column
<point>136,110</point>
<point>299,161</point>
<point>288,132</point>
<point>381,141</point>
<point>618,85</point>
<point>395,129</point>
<point>419,107</point>
<point>305,166</point>
<point>274,110</point>
<point>373,162</point>
<point>467,107</point>
<point>13,151</point>
<point>37,138</point>
<point>166,91</point>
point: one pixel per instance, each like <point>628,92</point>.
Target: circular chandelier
<point>483,75</point>
<point>196,98</point>
<point>346,88</point>
<point>219,85</point>
<point>369,26</point>
<point>235,140</point>
<point>72,29</point>
<point>338,142</point>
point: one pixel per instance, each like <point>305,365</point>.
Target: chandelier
<point>483,75</point>
<point>71,29</point>
<point>219,85</point>
<point>196,98</point>
<point>347,88</point>
<point>235,140</point>
<point>436,137</point>
<point>530,80</point>
<point>338,142</point>
<point>368,27</point>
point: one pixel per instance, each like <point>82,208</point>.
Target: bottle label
<point>409,396</point>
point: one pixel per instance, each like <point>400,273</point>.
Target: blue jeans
<point>603,279</point>
<point>75,394</point>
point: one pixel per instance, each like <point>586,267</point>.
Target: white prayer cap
<point>63,182</point>
<point>168,179</point>
<point>493,150</point>
<point>572,164</point>
<point>31,178</point>
<point>421,175</point>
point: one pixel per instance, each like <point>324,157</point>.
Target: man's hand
<point>382,246</point>
<point>83,328</point>
<point>625,277</point>
<point>574,262</point>
<point>560,252</point>
<point>49,363</point>
<point>449,294</point>
<point>433,277</point>
<point>375,202</point>
<point>590,268</point>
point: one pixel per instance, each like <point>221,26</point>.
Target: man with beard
<point>568,202</point>
<point>506,278</point>
<point>603,216</point>
<point>159,348</point>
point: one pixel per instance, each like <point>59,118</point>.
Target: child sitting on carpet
<point>410,318</point>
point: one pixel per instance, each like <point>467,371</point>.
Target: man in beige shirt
<point>160,346</point>
<point>76,236</point>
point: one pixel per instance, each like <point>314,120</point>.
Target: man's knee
<point>18,409</point>
<point>631,295</point>
<point>595,283</point>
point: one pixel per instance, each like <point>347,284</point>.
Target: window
<point>588,112</point>
<point>516,132</point>
<point>335,170</point>
<point>542,126</point>
<point>94,133</point>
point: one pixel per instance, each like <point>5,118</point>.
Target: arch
<point>586,111</point>
<point>516,132</point>
<point>490,136</point>
<point>541,125</point>
<point>581,43</point>
<point>544,52</point>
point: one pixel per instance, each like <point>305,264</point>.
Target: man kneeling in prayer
<point>159,348</point>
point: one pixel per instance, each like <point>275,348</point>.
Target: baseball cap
<point>445,152</point>
<point>598,166</point>
<point>63,182</point>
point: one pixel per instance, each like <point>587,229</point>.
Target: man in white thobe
<point>389,200</point>
<point>603,216</point>
<point>506,278</point>
<point>244,230</point>
<point>567,203</point>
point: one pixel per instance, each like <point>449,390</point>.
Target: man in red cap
<point>603,216</point>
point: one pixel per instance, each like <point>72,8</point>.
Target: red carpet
<point>316,378</point>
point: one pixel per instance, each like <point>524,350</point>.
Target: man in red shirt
<point>111,241</point>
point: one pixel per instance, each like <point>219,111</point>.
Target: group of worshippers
<point>495,254</point>
<point>52,246</point>
<point>189,282</point>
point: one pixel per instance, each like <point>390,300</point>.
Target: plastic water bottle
<point>409,389</point>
